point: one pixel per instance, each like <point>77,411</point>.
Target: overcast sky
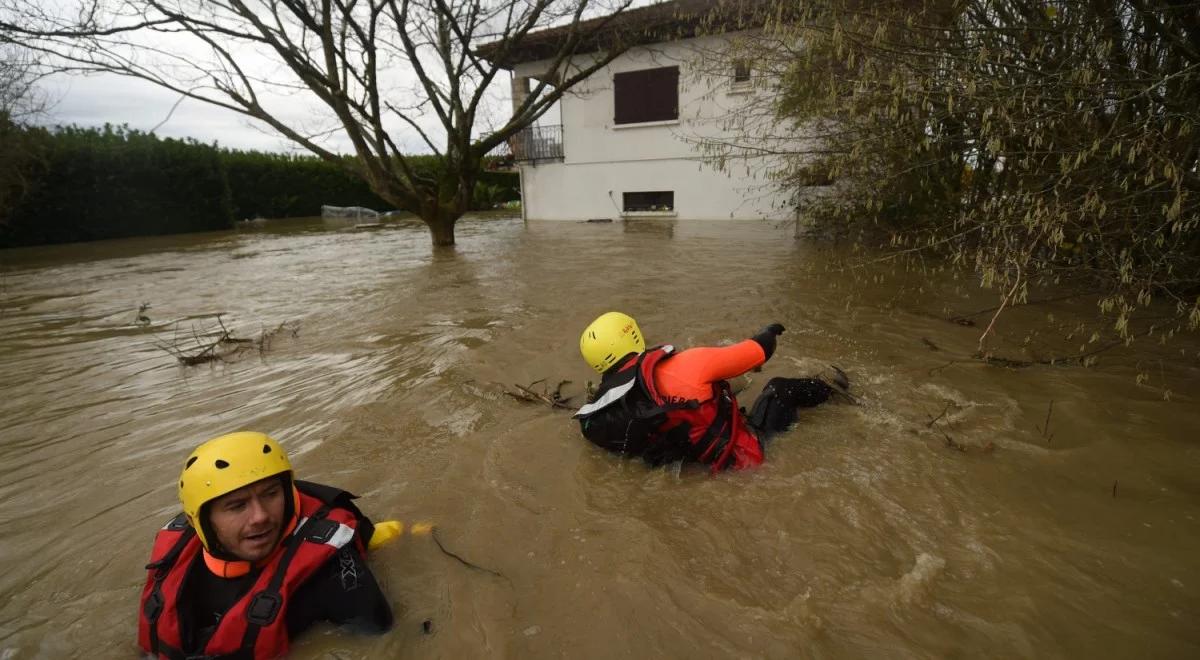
<point>99,99</point>
<point>108,98</point>
<point>105,98</point>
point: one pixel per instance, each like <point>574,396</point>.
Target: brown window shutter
<point>646,95</point>
<point>625,97</point>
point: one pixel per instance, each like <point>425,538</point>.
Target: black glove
<point>766,338</point>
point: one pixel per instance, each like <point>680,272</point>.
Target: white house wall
<point>603,160</point>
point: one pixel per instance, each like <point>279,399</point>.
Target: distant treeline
<point>81,184</point>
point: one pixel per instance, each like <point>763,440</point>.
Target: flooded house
<point>669,129</point>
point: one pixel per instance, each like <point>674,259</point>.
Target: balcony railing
<point>537,143</point>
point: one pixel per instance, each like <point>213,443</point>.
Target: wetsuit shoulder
<point>345,592</point>
<point>336,497</point>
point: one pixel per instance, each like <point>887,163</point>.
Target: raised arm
<point>690,374</point>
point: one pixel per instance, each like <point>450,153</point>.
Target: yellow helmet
<point>609,338</point>
<point>223,465</point>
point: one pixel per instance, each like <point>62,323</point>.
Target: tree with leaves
<point>1038,142</point>
<point>378,69</point>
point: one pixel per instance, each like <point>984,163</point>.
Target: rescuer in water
<point>666,405</point>
<point>257,557</point>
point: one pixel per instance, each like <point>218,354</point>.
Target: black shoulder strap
<point>328,494</point>
<point>265,605</point>
<point>720,432</point>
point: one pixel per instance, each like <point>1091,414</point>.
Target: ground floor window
<point>654,200</point>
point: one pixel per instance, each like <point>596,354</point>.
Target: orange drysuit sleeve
<point>691,373</point>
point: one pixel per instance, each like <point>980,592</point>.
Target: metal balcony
<point>537,143</point>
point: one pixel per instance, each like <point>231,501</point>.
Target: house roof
<point>664,21</point>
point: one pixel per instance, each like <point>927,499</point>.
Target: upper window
<point>646,95</point>
<point>741,72</point>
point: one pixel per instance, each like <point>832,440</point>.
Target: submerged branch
<point>213,345</point>
<point>553,399</point>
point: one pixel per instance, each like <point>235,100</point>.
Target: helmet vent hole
<point>221,465</point>
<point>266,449</point>
<point>181,485</point>
<point>189,462</point>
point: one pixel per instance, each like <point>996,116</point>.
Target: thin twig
<point>937,369</point>
<point>940,415</point>
<point>951,443</point>
<point>1020,364</point>
<point>462,561</point>
<point>558,391</point>
<point>995,316</point>
<point>1046,429</point>
<point>965,319</point>
<point>532,396</point>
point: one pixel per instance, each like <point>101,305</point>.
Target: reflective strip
<point>609,396</point>
<point>341,537</point>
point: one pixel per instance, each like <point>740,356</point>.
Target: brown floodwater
<point>1064,521</point>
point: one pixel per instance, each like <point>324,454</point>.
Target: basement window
<point>646,95</point>
<point>655,200</point>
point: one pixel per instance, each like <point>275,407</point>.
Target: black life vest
<point>629,416</point>
<point>255,625</point>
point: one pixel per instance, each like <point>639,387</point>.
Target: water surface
<point>865,534</point>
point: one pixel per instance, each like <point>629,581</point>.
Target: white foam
<point>914,586</point>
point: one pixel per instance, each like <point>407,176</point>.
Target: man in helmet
<point>666,405</point>
<point>255,558</point>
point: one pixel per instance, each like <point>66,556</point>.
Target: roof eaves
<point>657,23</point>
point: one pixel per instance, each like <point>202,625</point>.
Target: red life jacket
<point>256,625</point>
<point>630,416</point>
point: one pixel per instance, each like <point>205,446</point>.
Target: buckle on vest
<point>263,608</point>
<point>320,531</point>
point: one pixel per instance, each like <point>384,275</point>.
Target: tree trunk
<point>441,227</point>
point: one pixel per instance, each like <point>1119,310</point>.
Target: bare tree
<point>378,69</point>
<point>20,71</point>
<point>20,102</point>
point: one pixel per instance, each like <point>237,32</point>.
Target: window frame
<point>738,66</point>
<point>664,198</point>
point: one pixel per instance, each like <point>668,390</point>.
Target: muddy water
<point>863,535</point>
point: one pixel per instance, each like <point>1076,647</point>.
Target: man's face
<point>249,521</point>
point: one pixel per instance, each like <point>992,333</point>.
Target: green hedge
<point>281,186</point>
<point>90,184</point>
